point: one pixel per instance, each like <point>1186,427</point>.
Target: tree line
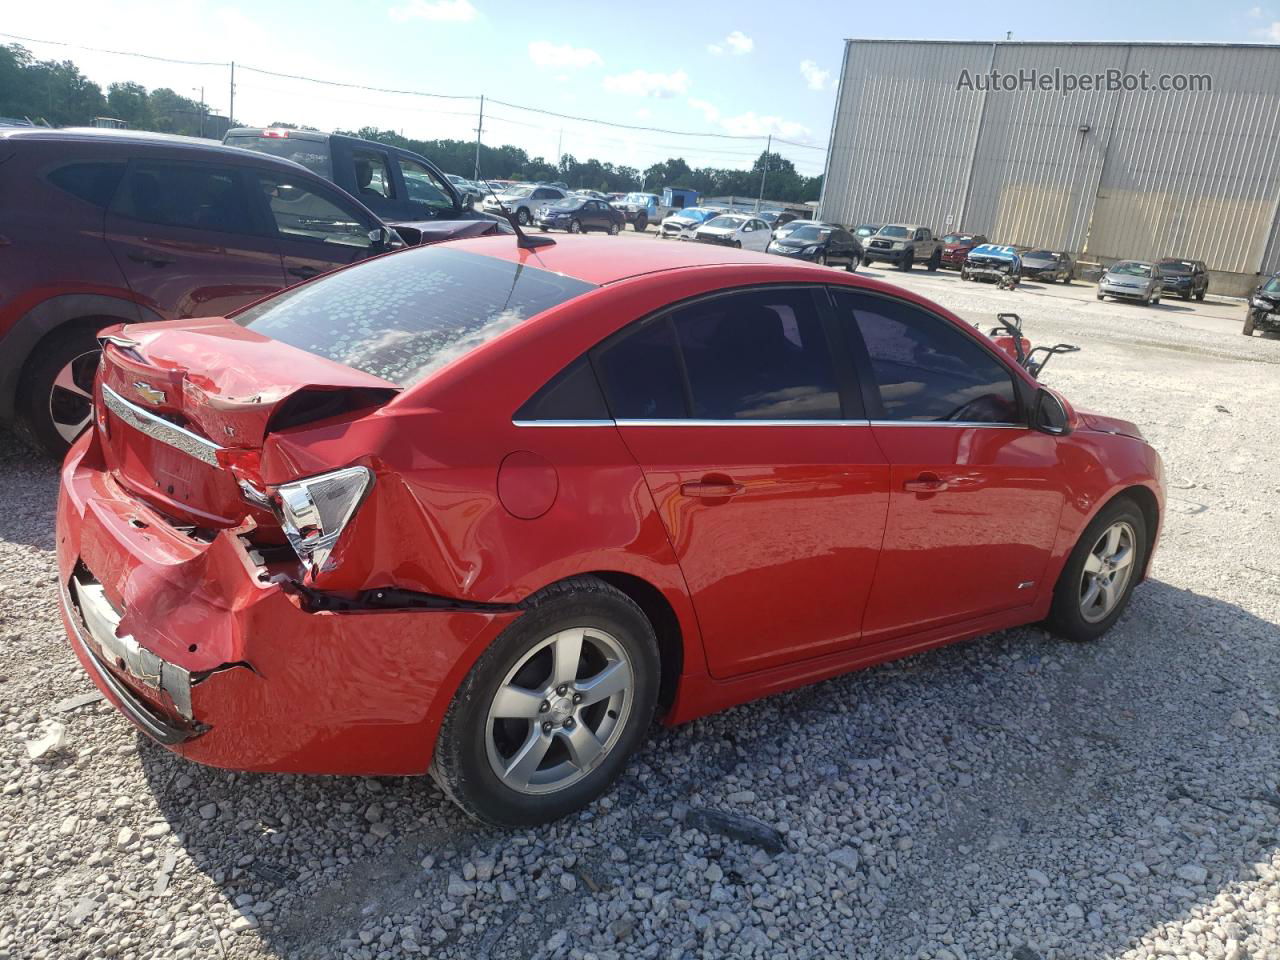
<point>58,94</point>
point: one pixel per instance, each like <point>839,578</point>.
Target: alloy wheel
<point>559,711</point>
<point>71,397</point>
<point>1107,571</point>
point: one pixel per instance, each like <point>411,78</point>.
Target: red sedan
<point>486,511</point>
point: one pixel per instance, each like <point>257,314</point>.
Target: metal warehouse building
<point>924,134</point>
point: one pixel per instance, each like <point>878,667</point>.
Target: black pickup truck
<point>405,189</point>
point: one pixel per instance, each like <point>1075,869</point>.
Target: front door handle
<point>306,273</point>
<point>710,488</point>
<point>154,259</point>
<point>927,482</point>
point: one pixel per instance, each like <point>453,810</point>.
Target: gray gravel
<point>1015,796</point>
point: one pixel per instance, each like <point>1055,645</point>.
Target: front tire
<point>549,714</point>
<point>613,229</point>
<point>853,264</point>
<point>1099,576</point>
<point>522,217</point>
<point>575,226</point>
<point>935,261</point>
<point>641,225</point>
<point>1248,323</point>
<point>55,393</point>
<point>907,261</point>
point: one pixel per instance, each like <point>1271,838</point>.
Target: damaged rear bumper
<point>204,652</point>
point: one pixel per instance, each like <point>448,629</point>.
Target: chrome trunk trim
<point>161,429</point>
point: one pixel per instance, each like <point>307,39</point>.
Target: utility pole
<point>560,149</point>
<point>231,110</point>
<point>201,89</point>
<point>765,171</point>
<point>479,127</point>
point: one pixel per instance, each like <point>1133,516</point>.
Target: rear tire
<point>613,229</point>
<point>1200,294</point>
<point>1072,615</point>
<point>54,393</point>
<point>475,744</point>
<point>853,264</point>
<point>641,225</point>
<point>935,261</point>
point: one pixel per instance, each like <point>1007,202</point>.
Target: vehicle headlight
<point>315,511</point>
<point>899,243</point>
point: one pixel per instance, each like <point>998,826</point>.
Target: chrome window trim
<point>742,423</point>
<point>161,429</point>
<point>950,423</point>
<point>563,423</point>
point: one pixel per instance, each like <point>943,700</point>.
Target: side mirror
<point>1049,416</point>
<point>385,238</point>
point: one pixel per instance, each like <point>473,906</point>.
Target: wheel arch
<point>1150,507</point>
<point>666,627</point>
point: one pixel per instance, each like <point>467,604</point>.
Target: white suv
<point>524,202</point>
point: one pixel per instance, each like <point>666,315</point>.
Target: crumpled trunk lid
<point>186,407</point>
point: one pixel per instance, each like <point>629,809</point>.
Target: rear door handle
<point>306,273</point>
<point>925,483</point>
<point>711,489</point>
<point>154,259</point>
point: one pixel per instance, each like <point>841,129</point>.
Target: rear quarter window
<point>402,316</point>
<point>92,181</point>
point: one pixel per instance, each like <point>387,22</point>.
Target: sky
<point>738,70</point>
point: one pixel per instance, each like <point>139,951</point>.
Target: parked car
<point>821,243</point>
<point>1263,310</point>
<point>956,246</point>
<point>683,224</point>
<point>1047,265</point>
<point>993,263</point>
<point>641,209</point>
<point>523,203</point>
<point>109,226</point>
<point>777,218</point>
<point>403,563</point>
<point>1186,278</point>
<point>396,184</point>
<point>782,231</point>
<point>1132,280</point>
<point>471,193</point>
<point>736,230</point>
<point>903,245</point>
<point>593,194</point>
<point>580,214</point>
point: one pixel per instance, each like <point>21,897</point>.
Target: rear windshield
<point>312,154</point>
<point>402,316</point>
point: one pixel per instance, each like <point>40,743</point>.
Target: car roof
<point>143,138</point>
<point>601,261</point>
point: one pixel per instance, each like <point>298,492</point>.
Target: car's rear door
<point>770,484</point>
<point>186,237</point>
<point>315,227</point>
<point>976,494</point>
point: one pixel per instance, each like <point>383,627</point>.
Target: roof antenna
<point>523,240</point>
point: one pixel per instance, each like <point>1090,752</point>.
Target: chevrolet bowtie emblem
<point>147,392</point>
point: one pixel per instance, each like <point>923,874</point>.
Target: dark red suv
<point>102,227</point>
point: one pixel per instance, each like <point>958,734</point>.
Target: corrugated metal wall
<point>1193,174</point>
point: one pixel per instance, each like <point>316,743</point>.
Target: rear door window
<point>193,195</point>
<point>91,181</point>
<point>751,356</point>
<point>312,154</point>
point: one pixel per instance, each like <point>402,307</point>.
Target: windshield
<point>1038,255</point>
<point>569,203</point>
<point>789,228</point>
<point>1272,285</point>
<point>867,230</point>
<point>1175,266</point>
<point>809,233</point>
<point>958,238</point>
<point>402,316</point>
<point>894,232</point>
<point>516,193</point>
<point>1131,268</point>
<point>312,154</point>
<point>640,197</point>
<point>694,213</point>
<point>728,223</point>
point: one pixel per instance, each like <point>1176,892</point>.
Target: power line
<point>358,86</point>
<point>119,53</point>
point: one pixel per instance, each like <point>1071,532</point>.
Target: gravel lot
<point>1015,796</point>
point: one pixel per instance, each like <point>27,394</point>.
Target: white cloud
<point>642,83</point>
<point>437,11</point>
<point>814,75</point>
<point>751,124</point>
<point>737,43</point>
<point>562,56</point>
<point>1272,33</point>
<point>706,108</point>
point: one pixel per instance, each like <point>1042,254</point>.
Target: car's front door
<point>975,493</point>
<point>316,227</point>
<point>772,490</point>
<point>427,196</point>
<point>187,240</point>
